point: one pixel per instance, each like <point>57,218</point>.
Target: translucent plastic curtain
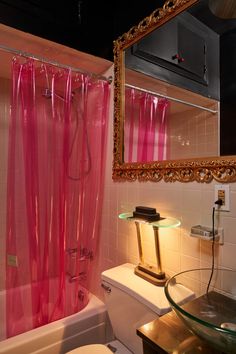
<point>146,127</point>
<point>57,144</point>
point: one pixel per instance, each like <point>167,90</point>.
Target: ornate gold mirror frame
<point>222,169</point>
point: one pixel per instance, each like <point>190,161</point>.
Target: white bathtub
<point>85,327</point>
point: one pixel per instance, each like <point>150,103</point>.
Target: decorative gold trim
<point>222,170</point>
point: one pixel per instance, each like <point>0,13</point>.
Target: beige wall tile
<point>228,256</point>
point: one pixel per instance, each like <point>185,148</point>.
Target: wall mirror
<point>175,96</point>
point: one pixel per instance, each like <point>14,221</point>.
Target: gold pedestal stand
<point>154,275</point>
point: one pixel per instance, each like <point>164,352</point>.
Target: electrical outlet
<point>222,192</point>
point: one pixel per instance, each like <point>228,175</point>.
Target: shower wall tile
<point>228,256</point>
<point>192,200</point>
<point>232,211</point>
<point>188,262</point>
<point>190,246</point>
<point>170,240</point>
<point>171,261</point>
<point>229,226</point>
<point>206,253</point>
<point>189,219</point>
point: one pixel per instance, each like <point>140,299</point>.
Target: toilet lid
<point>91,349</point>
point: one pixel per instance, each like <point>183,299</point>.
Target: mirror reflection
<point>180,89</point>
<point>165,126</point>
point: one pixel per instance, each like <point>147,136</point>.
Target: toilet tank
<point>131,302</point>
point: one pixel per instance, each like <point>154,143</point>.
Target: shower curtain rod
<point>172,98</point>
<point>51,62</point>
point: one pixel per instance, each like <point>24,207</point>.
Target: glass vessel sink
<point>211,315</point>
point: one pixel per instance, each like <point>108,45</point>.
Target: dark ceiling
<point>86,25</point>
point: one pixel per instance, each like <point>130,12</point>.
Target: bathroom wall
<point>190,202</point>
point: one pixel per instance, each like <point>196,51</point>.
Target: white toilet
<point>131,302</point>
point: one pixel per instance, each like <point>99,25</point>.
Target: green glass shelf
<point>167,222</point>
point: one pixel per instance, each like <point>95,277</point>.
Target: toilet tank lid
<point>153,296</point>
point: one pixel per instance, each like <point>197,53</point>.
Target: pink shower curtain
<point>57,145</point>
<point>146,127</point>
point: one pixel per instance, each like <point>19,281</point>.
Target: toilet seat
<point>91,349</point>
